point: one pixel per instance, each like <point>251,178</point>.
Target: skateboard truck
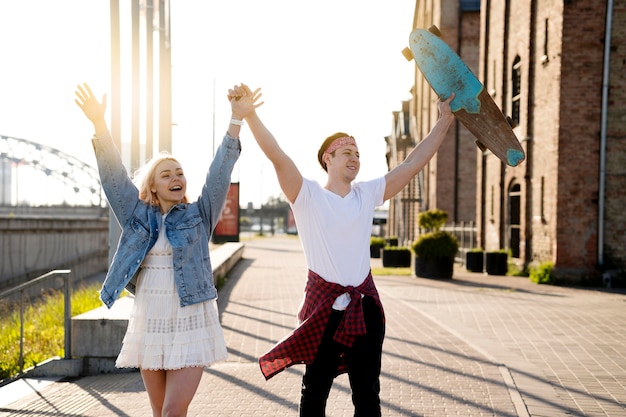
<point>407,53</point>
<point>482,147</point>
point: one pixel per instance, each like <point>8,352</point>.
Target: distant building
<point>449,180</point>
<point>5,182</point>
<point>557,72</point>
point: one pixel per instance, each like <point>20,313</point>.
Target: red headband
<point>338,143</point>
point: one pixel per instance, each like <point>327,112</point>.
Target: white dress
<point>161,334</point>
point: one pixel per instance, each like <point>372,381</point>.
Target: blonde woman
<point>163,258</point>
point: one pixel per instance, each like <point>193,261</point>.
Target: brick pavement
<point>477,345</point>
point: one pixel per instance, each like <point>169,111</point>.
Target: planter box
<point>496,263</point>
<point>375,250</point>
<point>475,261</point>
<point>396,258</point>
<point>439,268</point>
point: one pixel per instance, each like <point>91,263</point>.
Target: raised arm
<point>399,177</point>
<point>289,176</point>
<point>121,193</point>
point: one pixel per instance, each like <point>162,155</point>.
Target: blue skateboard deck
<point>446,73</point>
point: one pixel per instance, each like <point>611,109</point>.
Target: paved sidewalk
<point>476,345</point>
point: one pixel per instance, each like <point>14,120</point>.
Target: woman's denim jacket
<point>188,226</point>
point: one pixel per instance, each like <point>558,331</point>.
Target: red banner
<point>227,228</point>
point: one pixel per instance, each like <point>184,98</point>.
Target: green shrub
<point>516,271</point>
<point>542,273</point>
<point>396,248</point>
<point>435,245</point>
<point>432,220</point>
<point>377,241</point>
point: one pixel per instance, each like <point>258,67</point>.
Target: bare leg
<point>155,385</point>
<point>181,386</point>
<point>170,392</point>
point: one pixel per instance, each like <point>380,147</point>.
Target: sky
<point>323,67</point>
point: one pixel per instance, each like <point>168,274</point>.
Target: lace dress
<point>161,334</point>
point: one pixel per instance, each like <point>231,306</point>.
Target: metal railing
<point>67,322</point>
<point>465,233</point>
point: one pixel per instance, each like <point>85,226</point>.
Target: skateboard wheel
<point>435,31</point>
<point>481,146</point>
<point>510,121</point>
<point>407,53</point>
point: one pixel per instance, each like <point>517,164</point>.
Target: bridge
<point>35,237</point>
<point>22,156</point>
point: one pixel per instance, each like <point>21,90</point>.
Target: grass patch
<point>43,328</point>
<point>392,271</point>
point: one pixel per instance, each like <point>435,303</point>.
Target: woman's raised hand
<point>93,109</point>
<point>243,101</point>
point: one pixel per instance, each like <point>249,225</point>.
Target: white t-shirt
<point>335,231</point>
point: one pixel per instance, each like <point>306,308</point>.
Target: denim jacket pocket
<point>136,237</point>
<point>190,229</point>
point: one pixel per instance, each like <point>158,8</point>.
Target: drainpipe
<point>605,96</point>
<point>457,155</point>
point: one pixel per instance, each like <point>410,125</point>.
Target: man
<point>342,322</point>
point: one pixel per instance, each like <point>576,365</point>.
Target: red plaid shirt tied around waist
<point>301,345</point>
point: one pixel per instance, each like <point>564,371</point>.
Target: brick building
<point>548,65</point>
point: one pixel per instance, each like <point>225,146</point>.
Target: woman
<point>163,258</point>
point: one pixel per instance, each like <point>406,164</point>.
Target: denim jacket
<point>188,227</point>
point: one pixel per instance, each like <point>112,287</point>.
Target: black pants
<point>363,360</point>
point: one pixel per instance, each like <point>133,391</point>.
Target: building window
<point>516,91</point>
<point>515,219</point>
<point>542,200</point>
<point>493,90</point>
<point>470,5</point>
<point>492,209</point>
<point>544,58</point>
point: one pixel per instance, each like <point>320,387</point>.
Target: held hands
<point>93,109</point>
<point>243,101</point>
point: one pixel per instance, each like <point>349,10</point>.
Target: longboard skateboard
<point>446,73</point>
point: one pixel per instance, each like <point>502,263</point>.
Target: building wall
<point>558,49</point>
<point>403,206</point>
<point>581,81</point>
<point>543,132</point>
<point>468,152</point>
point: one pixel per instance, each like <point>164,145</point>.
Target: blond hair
<point>144,178</point>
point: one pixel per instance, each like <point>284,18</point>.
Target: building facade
<point>557,69</point>
<point>449,180</point>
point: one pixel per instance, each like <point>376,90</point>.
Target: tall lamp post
<point>143,13</point>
